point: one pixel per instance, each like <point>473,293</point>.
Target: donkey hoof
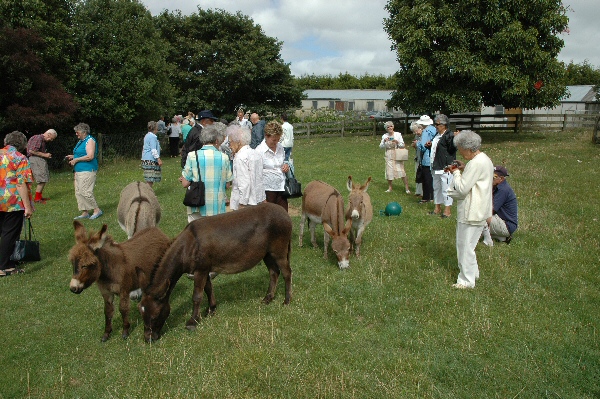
<point>105,337</point>
<point>267,300</point>
<point>190,327</point>
<point>125,335</point>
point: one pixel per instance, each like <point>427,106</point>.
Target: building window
<point>370,105</point>
<point>350,105</point>
<point>331,105</point>
<point>315,105</point>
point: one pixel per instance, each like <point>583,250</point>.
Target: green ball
<point>393,209</point>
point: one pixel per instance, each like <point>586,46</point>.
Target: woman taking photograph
<point>473,190</point>
<point>394,168</point>
<point>85,167</point>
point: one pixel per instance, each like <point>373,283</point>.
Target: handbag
<point>27,250</point>
<point>292,187</point>
<point>419,174</point>
<point>401,154</point>
<point>194,195</point>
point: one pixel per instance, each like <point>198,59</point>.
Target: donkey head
<point>86,265</point>
<point>340,243</point>
<point>356,198</point>
<point>154,306</point>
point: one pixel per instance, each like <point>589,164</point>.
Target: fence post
<point>374,127</point>
<point>564,122</point>
<point>343,127</point>
<point>100,146</point>
<point>308,129</point>
<point>406,127</point>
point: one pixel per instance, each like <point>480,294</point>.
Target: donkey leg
<point>124,305</point>
<point>358,240</point>
<point>199,284</point>
<point>301,232</point>
<point>212,302</point>
<point>109,310</point>
<point>325,244</point>
<point>274,276</point>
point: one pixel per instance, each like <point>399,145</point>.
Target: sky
<point>329,37</point>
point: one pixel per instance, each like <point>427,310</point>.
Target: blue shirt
<point>80,151</point>
<point>428,134</point>
<point>505,205</point>
<point>151,149</point>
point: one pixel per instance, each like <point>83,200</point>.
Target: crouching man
<point>504,220</point>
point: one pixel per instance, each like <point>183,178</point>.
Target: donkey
<point>98,258</point>
<point>227,243</point>
<point>360,211</point>
<point>321,203</point>
<point>138,208</point>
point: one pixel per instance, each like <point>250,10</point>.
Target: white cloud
<point>337,36</point>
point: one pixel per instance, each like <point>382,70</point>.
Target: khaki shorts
<point>39,168</point>
<point>498,227</point>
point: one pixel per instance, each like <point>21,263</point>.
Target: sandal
<point>11,271</point>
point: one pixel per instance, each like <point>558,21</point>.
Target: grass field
<point>389,327</point>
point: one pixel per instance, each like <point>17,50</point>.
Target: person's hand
<point>159,161</point>
<point>428,144</point>
<point>48,155</point>
<point>69,157</point>
<point>285,168</point>
<point>28,211</point>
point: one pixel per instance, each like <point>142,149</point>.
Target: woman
<point>15,200</point>
<point>185,128</point>
<point>417,130</point>
<point>443,153</point>
<point>247,186</point>
<point>85,167</point>
<point>215,172</point>
<point>274,167</point>
<point>151,162</point>
<point>424,145</point>
<point>473,190</point>
<point>394,169</point>
<point>174,133</point>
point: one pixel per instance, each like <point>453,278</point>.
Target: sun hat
<point>501,171</point>
<point>425,120</point>
<point>206,114</point>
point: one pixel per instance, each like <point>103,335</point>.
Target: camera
<point>455,163</point>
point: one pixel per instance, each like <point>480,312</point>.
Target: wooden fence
<point>499,122</point>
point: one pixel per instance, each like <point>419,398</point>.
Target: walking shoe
<point>96,215</point>
<point>460,286</point>
<point>87,216</point>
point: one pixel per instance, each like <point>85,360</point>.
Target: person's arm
<point>23,191</point>
<point>90,153</point>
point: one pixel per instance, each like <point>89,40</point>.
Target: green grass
<point>390,326</point>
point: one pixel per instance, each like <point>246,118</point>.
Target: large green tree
<point>120,70</point>
<point>223,60</point>
<point>455,55</point>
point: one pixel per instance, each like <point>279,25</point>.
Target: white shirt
<point>244,123</point>
<point>287,138</point>
<point>273,177</point>
<point>247,187</point>
<point>175,130</point>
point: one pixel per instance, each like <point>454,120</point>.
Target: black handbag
<point>27,250</point>
<point>419,174</point>
<point>292,187</point>
<point>194,195</point>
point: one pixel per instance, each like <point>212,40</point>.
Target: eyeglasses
<point>496,177</point>
<point>439,124</point>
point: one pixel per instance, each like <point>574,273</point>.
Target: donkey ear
<point>161,291</point>
<point>142,278</point>
<point>80,234</point>
<point>347,227</point>
<point>328,229</point>
<point>99,238</point>
<point>349,183</point>
<point>366,186</point>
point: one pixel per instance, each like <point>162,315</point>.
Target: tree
<point>120,70</point>
<point>223,60</point>
<point>344,81</point>
<point>582,74</point>
<point>456,55</point>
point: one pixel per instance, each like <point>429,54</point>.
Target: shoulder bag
<point>401,154</point>
<point>292,187</point>
<point>27,250</point>
<point>194,194</point>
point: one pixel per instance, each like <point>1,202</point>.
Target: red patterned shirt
<point>36,143</point>
<point>14,169</point>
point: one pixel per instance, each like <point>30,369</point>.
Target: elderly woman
<point>394,169</point>
<point>174,133</point>
<point>424,145</point>
<point>151,162</point>
<point>15,201</point>
<point>212,166</point>
<point>417,130</point>
<point>473,190</point>
<point>85,167</point>
<point>274,166</point>
<point>443,153</point>
<point>247,186</point>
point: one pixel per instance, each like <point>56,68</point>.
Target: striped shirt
<point>215,170</point>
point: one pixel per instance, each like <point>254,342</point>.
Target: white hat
<point>425,120</point>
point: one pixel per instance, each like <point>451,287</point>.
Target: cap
<point>501,171</point>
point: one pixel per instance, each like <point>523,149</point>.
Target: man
<point>242,120</point>
<point>258,130</point>
<point>36,152</point>
<point>193,141</point>
<point>504,220</point>
<point>287,138</point>
<point>162,127</point>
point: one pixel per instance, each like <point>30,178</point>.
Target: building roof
<point>580,94</point>
<point>348,95</point>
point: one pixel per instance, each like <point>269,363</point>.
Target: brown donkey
<point>97,258</point>
<point>228,243</point>
<point>360,211</point>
